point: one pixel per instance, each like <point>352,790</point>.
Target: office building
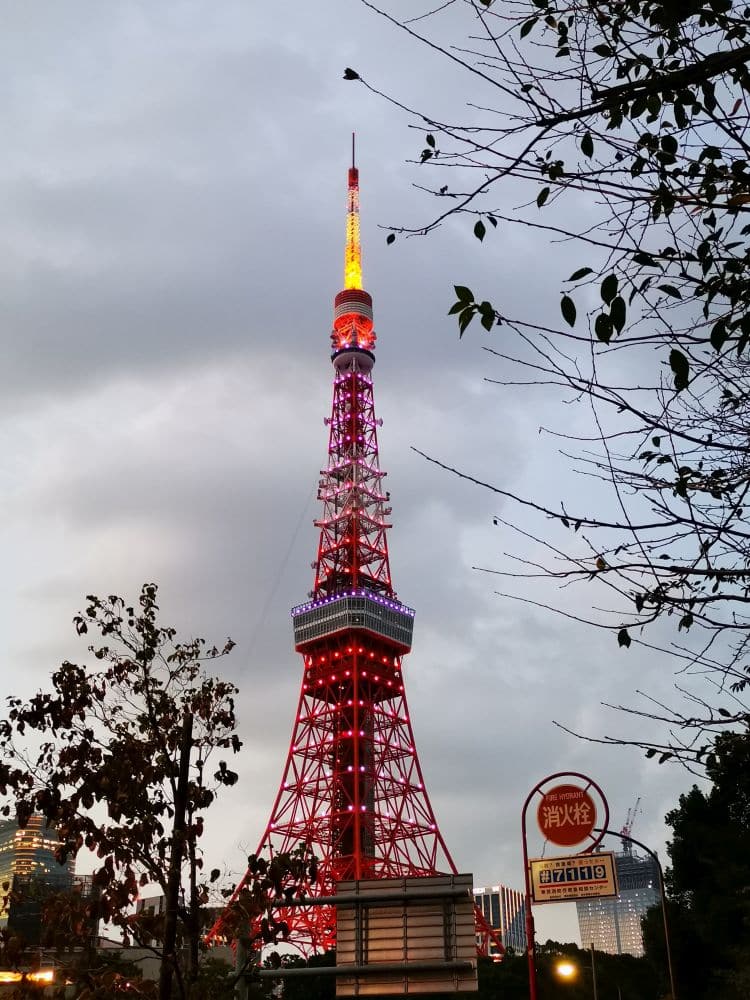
<point>28,915</point>
<point>28,854</point>
<point>504,910</point>
<point>614,925</point>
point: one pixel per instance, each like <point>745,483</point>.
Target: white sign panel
<point>582,876</point>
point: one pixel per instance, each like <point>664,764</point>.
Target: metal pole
<point>666,928</point>
<point>530,946</point>
<point>530,949</point>
<point>593,971</point>
<point>632,840</point>
<point>242,962</point>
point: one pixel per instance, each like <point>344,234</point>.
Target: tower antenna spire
<point>352,307</point>
<point>353,252</point>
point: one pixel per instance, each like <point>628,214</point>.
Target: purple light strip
<point>393,605</point>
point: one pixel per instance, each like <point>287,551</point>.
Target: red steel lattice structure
<point>352,789</point>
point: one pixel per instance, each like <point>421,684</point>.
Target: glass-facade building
<point>504,910</point>
<point>28,854</point>
<point>614,925</point>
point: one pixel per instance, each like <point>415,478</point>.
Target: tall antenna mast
<point>352,251</point>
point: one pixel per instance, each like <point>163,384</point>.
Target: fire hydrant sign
<point>566,815</point>
<point>582,876</point>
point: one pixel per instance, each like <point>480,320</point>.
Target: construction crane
<point>629,821</point>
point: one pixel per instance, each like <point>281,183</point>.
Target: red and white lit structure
<point>352,788</point>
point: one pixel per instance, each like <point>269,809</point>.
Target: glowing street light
<point>566,970</point>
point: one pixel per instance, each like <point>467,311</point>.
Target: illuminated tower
<point>352,788</point>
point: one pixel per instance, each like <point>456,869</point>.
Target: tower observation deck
<point>352,789</point>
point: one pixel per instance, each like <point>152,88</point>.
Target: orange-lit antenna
<point>352,307</point>
<point>353,253</point>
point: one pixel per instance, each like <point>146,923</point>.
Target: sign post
<point>566,816</point>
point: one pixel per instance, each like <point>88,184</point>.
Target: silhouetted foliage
<point>120,759</point>
<point>621,128</point>
<point>709,878</point>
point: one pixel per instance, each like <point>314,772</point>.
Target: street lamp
<point>568,971</point>
<point>662,893</point>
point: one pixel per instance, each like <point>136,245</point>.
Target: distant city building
<point>504,910</point>
<point>154,905</point>
<point>26,911</point>
<point>29,854</point>
<point>614,925</point>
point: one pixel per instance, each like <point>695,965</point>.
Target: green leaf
<point>568,309</point>
<point>457,307</point>
<point>587,145</point>
<point>719,335</point>
<point>603,328</point>
<point>602,50</point>
<point>617,312</point>
<point>526,28</point>
<point>670,290</point>
<point>464,319</point>
<point>430,140</point>
<point>742,342</point>
<point>390,238</point>
<point>463,294</point>
<point>623,639</point>
<point>542,196</point>
<point>609,288</point>
<point>681,368</point>
<point>580,273</point>
<point>653,103</point>
<point>487,314</point>
<point>479,230</point>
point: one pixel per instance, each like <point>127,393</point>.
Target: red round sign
<point>566,815</point>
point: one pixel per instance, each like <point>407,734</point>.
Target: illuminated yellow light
<point>42,976</point>
<point>566,970</point>
<point>353,253</point>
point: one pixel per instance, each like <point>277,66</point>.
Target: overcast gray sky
<point>172,197</point>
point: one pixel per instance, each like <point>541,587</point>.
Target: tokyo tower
<point>352,789</point>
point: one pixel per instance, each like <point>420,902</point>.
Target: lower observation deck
<point>358,610</point>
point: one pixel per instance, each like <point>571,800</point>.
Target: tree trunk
<point>169,955</point>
